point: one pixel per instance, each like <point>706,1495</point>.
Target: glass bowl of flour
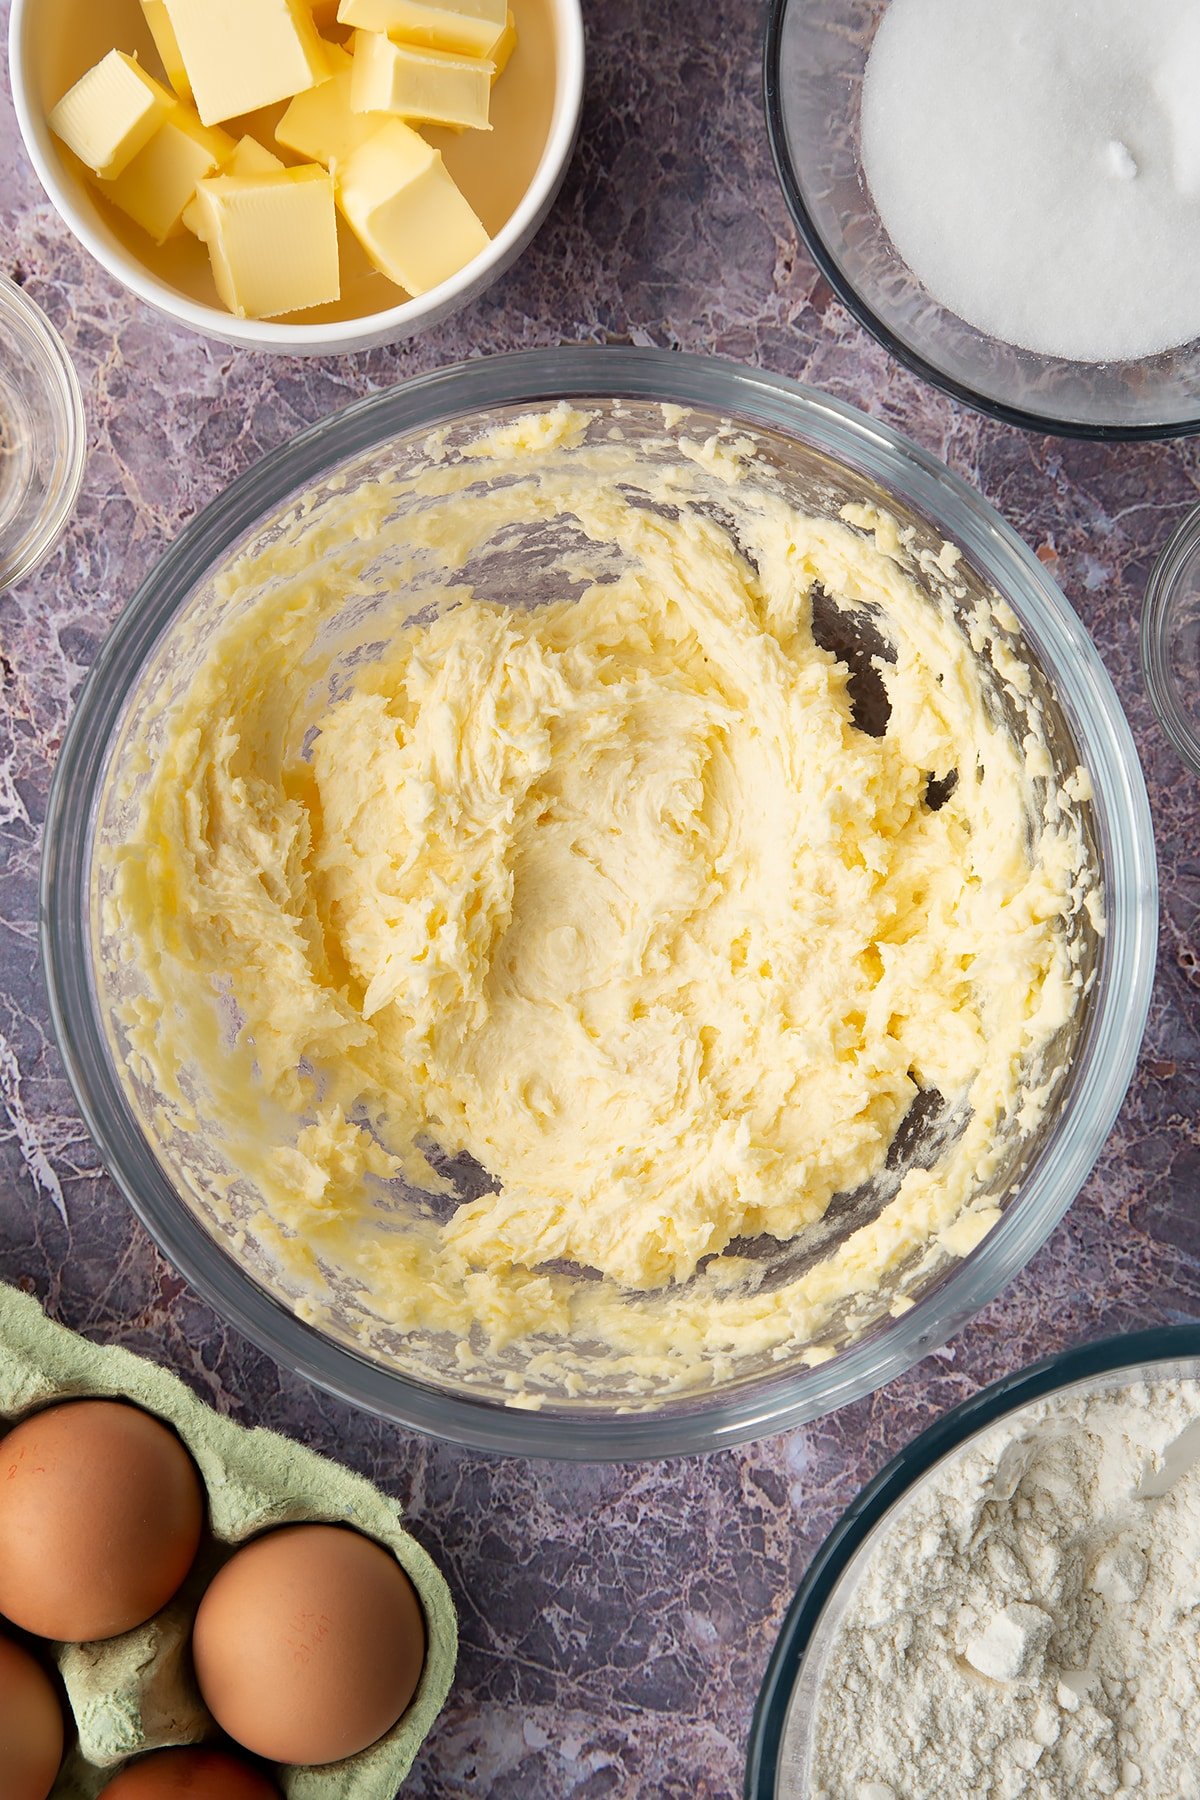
<point>599,903</point>
<point>1007,197</point>
<point>1008,1608</point>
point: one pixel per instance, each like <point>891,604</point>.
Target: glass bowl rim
<point>1160,591</point>
<point>699,1421</point>
<point>852,300</point>
<point>44,343</point>
<point>1127,1352</point>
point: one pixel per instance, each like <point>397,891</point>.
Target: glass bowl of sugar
<point>1008,197</point>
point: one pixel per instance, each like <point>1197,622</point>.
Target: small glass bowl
<point>782,1731</point>
<point>42,435</point>
<point>1171,639</point>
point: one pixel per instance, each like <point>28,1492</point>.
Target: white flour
<point>1030,1624</point>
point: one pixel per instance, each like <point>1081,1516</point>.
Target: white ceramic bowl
<point>538,103</point>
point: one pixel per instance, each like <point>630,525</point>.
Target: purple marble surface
<point>616,1621</point>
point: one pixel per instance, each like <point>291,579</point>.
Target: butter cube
<point>272,239</point>
<point>111,113</point>
<point>252,158</point>
<point>167,45</point>
<point>470,27</point>
<point>249,158</point>
<point>339,61</point>
<point>243,54</point>
<point>411,219</point>
<point>501,51</point>
<point>416,83</point>
<point>158,184</point>
<point>322,125</point>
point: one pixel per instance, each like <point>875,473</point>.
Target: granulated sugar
<point>1037,166</point>
<point>1029,1625</point>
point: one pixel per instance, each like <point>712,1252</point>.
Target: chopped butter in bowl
<point>299,176</point>
<point>608,881</point>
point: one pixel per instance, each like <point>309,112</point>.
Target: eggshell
<point>309,1644</point>
<point>101,1510</point>
<point>190,1775</point>
<point>31,1726</point>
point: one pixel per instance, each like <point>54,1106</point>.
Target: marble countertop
<point>616,1621</point>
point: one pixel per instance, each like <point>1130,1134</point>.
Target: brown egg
<point>100,1516</point>
<point>31,1726</point>
<point>190,1775</point>
<point>309,1644</point>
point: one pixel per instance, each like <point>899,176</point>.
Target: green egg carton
<point>136,1692</point>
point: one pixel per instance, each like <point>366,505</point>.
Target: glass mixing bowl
<point>822,455</point>
<point>814,57</point>
<point>782,1733</point>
